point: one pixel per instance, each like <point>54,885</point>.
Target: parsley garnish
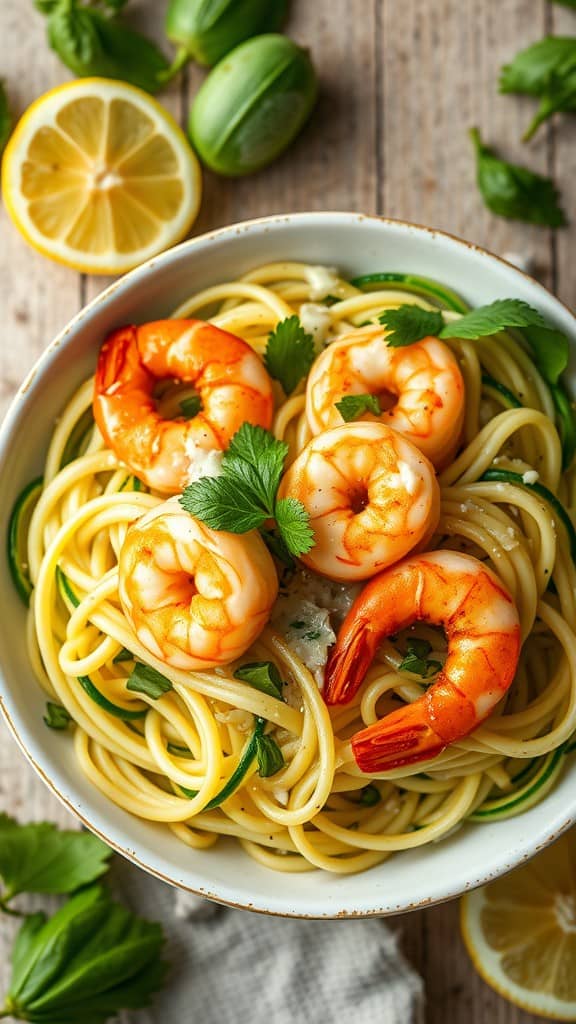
<point>351,407</point>
<point>416,660</point>
<point>516,192</point>
<point>263,676</point>
<point>410,323</point>
<point>244,496</point>
<point>547,70</point>
<point>145,679</point>
<point>56,717</point>
<point>269,756</point>
<point>289,353</point>
<point>191,406</point>
<point>550,347</point>
<point>40,858</point>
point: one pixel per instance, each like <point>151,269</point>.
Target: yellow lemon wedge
<point>520,932</point>
<point>97,175</point>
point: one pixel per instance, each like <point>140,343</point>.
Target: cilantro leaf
<point>56,717</point>
<point>243,498</point>
<point>87,962</point>
<point>191,406</point>
<point>263,676</point>
<point>516,192</point>
<point>5,118</point>
<point>289,353</point>
<point>496,316</point>
<point>269,756</point>
<point>41,858</point>
<point>294,525</point>
<point>419,666</point>
<point>416,645</point>
<point>221,503</point>
<point>145,679</point>
<point>409,324</point>
<point>351,407</point>
<point>547,69</point>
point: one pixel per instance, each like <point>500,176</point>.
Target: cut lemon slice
<point>99,176</point>
<point>521,932</point>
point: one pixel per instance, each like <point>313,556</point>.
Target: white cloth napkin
<point>237,967</point>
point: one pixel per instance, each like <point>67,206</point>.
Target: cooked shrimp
<point>194,597</point>
<point>229,377</point>
<point>424,378</point>
<point>442,588</point>
<point>371,495</point>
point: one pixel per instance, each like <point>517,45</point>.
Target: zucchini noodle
<point>173,760</point>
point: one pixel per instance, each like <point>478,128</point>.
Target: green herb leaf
<point>294,525</point>
<point>191,406</point>
<point>370,796</point>
<point>263,676</point>
<point>5,118</point>
<point>418,665</point>
<point>546,69</point>
<point>351,407</point>
<point>496,316</point>
<point>269,756</point>
<point>409,324</point>
<point>87,962</point>
<point>550,350</point>
<point>244,496</point>
<point>276,546</point>
<point>145,679</point>
<point>123,655</point>
<point>289,353</point>
<point>56,717</point>
<point>222,504</point>
<point>92,44</point>
<point>40,858</point>
<point>515,192</point>
<point>421,648</point>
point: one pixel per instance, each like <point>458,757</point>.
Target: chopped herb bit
<point>313,634</point>
<point>123,655</point>
<point>56,717</point>
<point>263,676</point>
<point>191,406</point>
<point>145,679</point>
<point>351,407</point>
<point>418,666</point>
<point>299,624</point>
<point>370,796</point>
<point>269,756</point>
<point>289,353</point>
<point>416,645</point>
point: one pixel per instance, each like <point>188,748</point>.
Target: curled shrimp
<point>371,495</point>
<point>233,386</point>
<point>420,388</point>
<point>482,628</point>
<point>194,597</point>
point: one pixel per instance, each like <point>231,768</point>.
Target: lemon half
<point>520,932</point>
<point>97,175</point>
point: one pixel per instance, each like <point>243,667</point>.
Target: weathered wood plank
<point>563,163</point>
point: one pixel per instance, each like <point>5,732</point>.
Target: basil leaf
<point>409,324</point>
<point>263,676</point>
<point>551,351</point>
<point>351,407</point>
<point>41,858</point>
<point>5,118</point>
<point>515,192</point>
<point>145,679</point>
<point>56,717</point>
<point>289,353</point>
<point>91,44</point>
<point>546,69</point>
<point>269,756</point>
<point>90,960</point>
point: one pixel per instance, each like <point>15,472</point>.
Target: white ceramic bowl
<point>357,245</point>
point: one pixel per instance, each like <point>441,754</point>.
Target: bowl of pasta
<point>289,576</point>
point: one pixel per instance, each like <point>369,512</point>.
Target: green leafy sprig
<point>244,497</point>
<point>515,192</point>
<point>351,407</point>
<point>416,659</point>
<point>289,353</point>
<point>546,70</point>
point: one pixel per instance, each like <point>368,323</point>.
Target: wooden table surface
<point>401,83</point>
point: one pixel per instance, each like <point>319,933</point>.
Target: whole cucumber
<point>209,29</point>
<point>252,105</point>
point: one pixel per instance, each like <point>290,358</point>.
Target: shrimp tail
<point>402,737</point>
<point>349,662</point>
